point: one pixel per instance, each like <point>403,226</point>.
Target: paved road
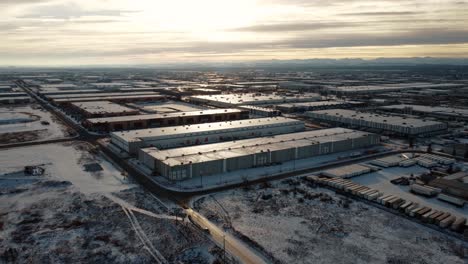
<point>232,245</point>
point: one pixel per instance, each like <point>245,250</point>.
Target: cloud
<point>293,26</point>
<point>69,11</point>
<point>386,13</point>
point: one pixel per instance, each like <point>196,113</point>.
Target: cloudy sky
<point>76,32</point>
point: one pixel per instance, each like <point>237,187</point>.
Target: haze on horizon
<point>79,32</point>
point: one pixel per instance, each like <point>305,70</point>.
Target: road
<point>232,245</point>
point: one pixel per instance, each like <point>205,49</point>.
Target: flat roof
<point>103,107</point>
<point>255,98</point>
<point>449,111</point>
<point>317,104</point>
<point>388,119</point>
<point>224,150</point>
<point>77,91</point>
<point>160,116</point>
<point>84,99</point>
<point>64,96</point>
<point>391,87</point>
<point>142,134</point>
<point>108,84</point>
<point>61,85</point>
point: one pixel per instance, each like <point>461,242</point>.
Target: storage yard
<point>393,124</point>
<point>293,221</point>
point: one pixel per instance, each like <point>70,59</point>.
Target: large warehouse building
<point>196,161</point>
<point>170,137</point>
<point>397,87</point>
<point>163,120</point>
<point>435,111</point>
<point>232,100</point>
<point>101,108</point>
<point>396,124</point>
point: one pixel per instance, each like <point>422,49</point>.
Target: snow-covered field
<point>69,215</point>
<point>296,222</point>
<point>12,131</point>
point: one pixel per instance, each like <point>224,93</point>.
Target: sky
<point>104,32</point>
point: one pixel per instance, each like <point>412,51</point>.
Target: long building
<point>218,158</point>
<point>311,106</point>
<point>398,87</point>
<point>395,124</point>
<point>434,111</point>
<point>179,136</point>
<point>101,108</point>
<point>231,100</point>
<point>119,98</point>
<point>163,120</point>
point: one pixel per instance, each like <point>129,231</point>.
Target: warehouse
<point>15,100</point>
<point>434,111</point>
<point>110,86</point>
<point>163,120</point>
<point>383,88</point>
<point>260,111</point>
<point>230,100</point>
<point>101,109</point>
<point>178,136</point>
<point>120,98</point>
<point>73,96</point>
<point>394,124</point>
<point>205,160</point>
<point>312,106</point>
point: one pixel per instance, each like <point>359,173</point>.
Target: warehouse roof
<point>110,98</point>
<point>176,131</point>
<point>252,98</point>
<point>160,116</point>
<point>65,96</point>
<point>393,87</point>
<point>217,151</point>
<point>387,119</point>
<point>449,111</point>
<point>317,104</point>
<point>103,107</point>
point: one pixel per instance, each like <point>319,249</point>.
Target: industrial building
<point>260,111</point>
<point>232,100</point>
<point>178,136</point>
<point>205,160</point>
<point>101,109</point>
<point>434,111</point>
<point>163,120</point>
<point>73,96</point>
<point>395,124</point>
<point>16,100</point>
<point>312,106</point>
<point>383,88</point>
<point>120,98</point>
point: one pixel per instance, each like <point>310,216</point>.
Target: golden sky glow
<point>71,32</point>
